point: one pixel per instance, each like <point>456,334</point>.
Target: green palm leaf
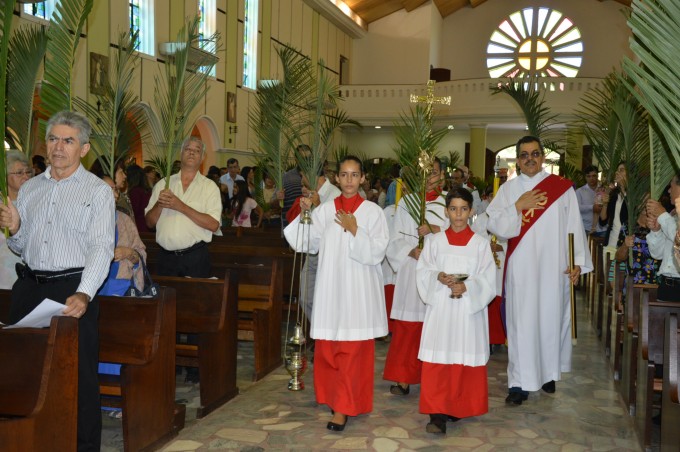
<point>120,125</point>
<point>178,90</point>
<point>416,141</point>
<point>532,103</point>
<point>26,52</point>
<point>6,12</point>
<point>319,123</point>
<point>277,105</point>
<point>63,36</point>
<point>656,26</point>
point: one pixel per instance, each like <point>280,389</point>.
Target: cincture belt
<point>669,281</point>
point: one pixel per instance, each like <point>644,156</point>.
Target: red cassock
<point>402,364</point>
<point>343,375</point>
<point>454,389</point>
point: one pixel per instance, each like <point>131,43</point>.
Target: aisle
<point>586,413</point>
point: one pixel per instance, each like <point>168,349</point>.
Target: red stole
<point>294,210</point>
<point>554,186</point>
<point>349,205</point>
<point>459,238</point>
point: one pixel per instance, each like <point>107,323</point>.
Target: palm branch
<point>600,123</point>
<point>319,123</point>
<point>532,103</point>
<point>277,104</point>
<point>27,48</point>
<point>120,125</point>
<point>7,12</point>
<point>178,90</point>
<point>63,35</point>
<point>415,151</point>
<point>655,25</point>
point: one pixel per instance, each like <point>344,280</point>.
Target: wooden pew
<point>602,290</point>
<point>614,313</point>
<point>650,353</point>
<point>619,325</point>
<point>629,356</point>
<point>260,301</point>
<point>670,415</point>
<point>209,309</point>
<point>140,334</point>
<point>39,387</point>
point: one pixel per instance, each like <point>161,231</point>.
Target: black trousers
<point>26,295</point>
<point>194,263</point>
<point>669,290</point>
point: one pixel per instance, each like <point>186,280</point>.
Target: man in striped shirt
<point>63,226</point>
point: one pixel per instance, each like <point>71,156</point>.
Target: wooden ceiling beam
<point>410,5</point>
<point>448,7</point>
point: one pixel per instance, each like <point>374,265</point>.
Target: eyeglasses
<point>28,173</point>
<point>535,154</point>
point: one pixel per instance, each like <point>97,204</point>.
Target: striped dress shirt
<point>65,224</point>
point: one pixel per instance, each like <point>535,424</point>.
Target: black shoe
<point>549,387</point>
<point>332,426</point>
<point>453,418</point>
<point>437,424</point>
<point>516,398</point>
<point>400,390</point>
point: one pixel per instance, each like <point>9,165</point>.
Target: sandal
<point>398,389</point>
<point>116,414</point>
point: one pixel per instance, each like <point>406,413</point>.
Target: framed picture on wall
<point>99,73</point>
<point>231,106</point>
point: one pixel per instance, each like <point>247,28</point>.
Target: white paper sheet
<point>41,316</point>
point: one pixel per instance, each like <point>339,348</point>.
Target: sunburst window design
<point>538,42</point>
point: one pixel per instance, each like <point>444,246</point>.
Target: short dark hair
<point>590,169</point>
<point>528,139</point>
<point>461,193</point>
<point>353,158</point>
<point>232,160</point>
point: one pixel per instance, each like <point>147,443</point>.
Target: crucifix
<point>430,99</point>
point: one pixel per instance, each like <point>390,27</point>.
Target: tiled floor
<point>586,413</point>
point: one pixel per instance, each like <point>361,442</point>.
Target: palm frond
<point>120,126</point>
<point>322,119</point>
<point>661,170</point>
<point>277,105</point>
<point>26,52</point>
<point>178,90</point>
<point>531,101</point>
<point>416,148</point>
<point>6,12</point>
<point>654,80</point>
<point>63,36</point>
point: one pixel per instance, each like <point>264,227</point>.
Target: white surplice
<point>408,305</point>
<point>538,312</point>
<point>349,299</point>
<point>455,330</point>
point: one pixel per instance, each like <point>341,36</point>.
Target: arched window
<point>535,42</point>
<point>142,22</point>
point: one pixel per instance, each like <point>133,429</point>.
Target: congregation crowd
<point>482,269</point>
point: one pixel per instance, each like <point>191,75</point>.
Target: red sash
<point>554,186</point>
<point>349,205</point>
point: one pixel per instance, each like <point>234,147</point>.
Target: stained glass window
<point>535,42</point>
<point>250,44</point>
<point>142,22</point>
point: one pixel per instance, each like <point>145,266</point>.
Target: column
<point>478,149</point>
<point>574,150</point>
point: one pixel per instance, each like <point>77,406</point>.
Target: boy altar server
<point>351,236</point>
<point>454,346</point>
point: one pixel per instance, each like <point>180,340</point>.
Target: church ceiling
<point>372,10</point>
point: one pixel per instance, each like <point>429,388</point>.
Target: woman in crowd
<point>243,205</point>
<point>18,172</point>
<point>139,193</point>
